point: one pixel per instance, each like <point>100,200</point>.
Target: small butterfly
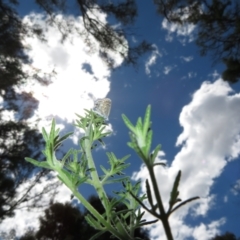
<point>102,107</point>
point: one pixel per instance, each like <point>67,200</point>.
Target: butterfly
<point>102,107</point>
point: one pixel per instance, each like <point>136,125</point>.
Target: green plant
<point>78,167</point>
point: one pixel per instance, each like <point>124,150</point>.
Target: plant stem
<point>95,178</point>
<point>164,216</point>
<point>96,214</point>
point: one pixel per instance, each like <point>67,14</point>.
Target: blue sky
<point>195,117</point>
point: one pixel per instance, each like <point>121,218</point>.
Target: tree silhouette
<point>17,139</point>
<point>63,221</point>
<point>107,36</point>
<point>218,29</point>
<point>226,236</point>
<point>218,24</point>
<point>12,50</point>
<point>232,73</point>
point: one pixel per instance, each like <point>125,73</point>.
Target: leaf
<point>60,140</point>
<point>175,192</point>
<point>155,152</point>
<point>149,194</point>
<point>146,122</point>
<point>128,123</point>
<point>159,163</point>
<point>38,164</point>
<point>93,222</point>
<point>148,142</point>
<point>183,203</point>
<point>139,125</point>
<point>96,236</point>
<point>45,135</point>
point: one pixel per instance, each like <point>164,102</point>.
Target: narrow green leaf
<point>175,192</point>
<point>155,152</point>
<point>146,122</point>
<point>93,223</point>
<point>82,180</point>
<point>148,143</point>
<point>139,125</point>
<point>104,169</point>
<point>66,156</point>
<point>128,123</point>
<point>118,180</point>
<point>149,194</point>
<point>97,235</point>
<point>183,203</point>
<point>38,164</point>
<point>101,141</point>
<point>45,135</point>
<point>52,131</point>
<point>161,164</point>
<point>64,137</point>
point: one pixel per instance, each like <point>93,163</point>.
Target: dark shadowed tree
<point>12,50</point>
<point>63,221</point>
<point>218,31</point>
<point>107,36</point>
<point>226,236</point>
<point>17,139</point>
<point>232,73</point>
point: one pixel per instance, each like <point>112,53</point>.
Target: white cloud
<point>187,59</point>
<point>236,188</point>
<point>210,137</point>
<point>215,75</point>
<point>184,32</point>
<point>152,59</point>
<point>134,39</point>
<point>25,217</point>
<point>71,90</point>
<point>192,74</point>
<point>168,69</point>
<point>207,231</point>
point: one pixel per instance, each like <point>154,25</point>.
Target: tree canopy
<point>218,28</point>
<point>63,221</point>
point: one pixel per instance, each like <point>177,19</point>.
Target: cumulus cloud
<point>210,138</point>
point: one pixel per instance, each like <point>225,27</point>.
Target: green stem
<point>163,214</point>
<point>95,178</point>
<point>95,213</point>
<point>123,234</point>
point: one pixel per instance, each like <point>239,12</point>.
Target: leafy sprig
<point>77,167</point>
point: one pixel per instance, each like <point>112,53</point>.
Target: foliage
<point>232,73</point>
<point>225,236</point>
<point>63,221</point>
<point>17,140</point>
<point>107,36</point>
<point>12,50</point>
<point>218,29</point>
<point>77,167</point>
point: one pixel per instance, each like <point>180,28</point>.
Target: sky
<point>195,117</point>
